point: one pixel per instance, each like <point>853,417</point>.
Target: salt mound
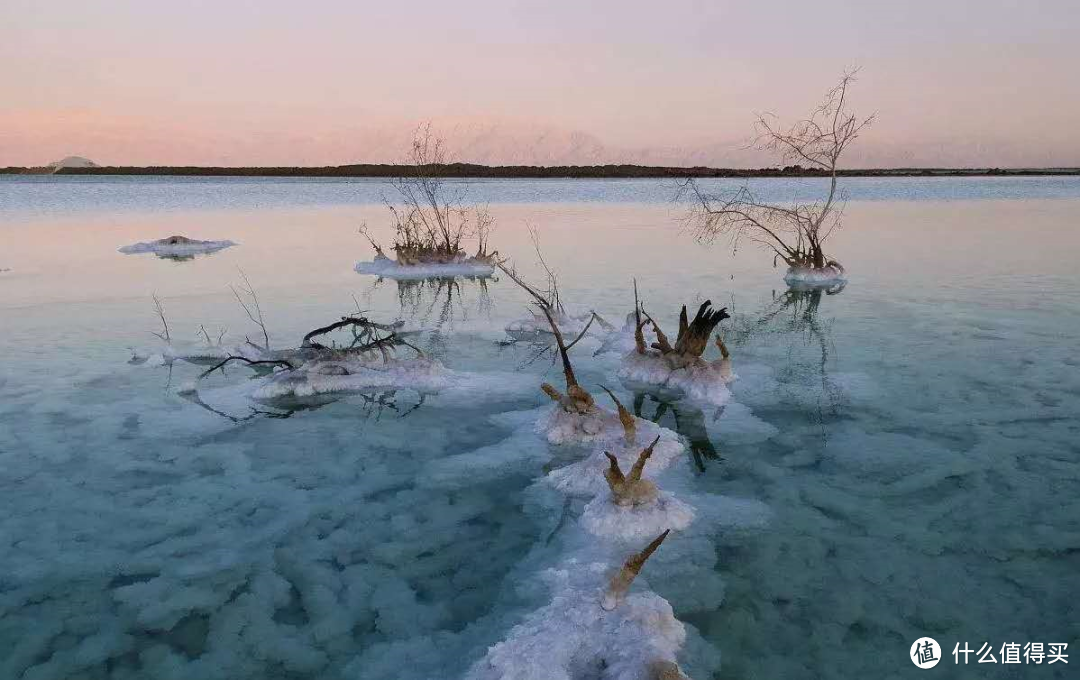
<point>603,518</point>
<point>391,269</point>
<point>176,246</point>
<point>323,377</point>
<point>574,637</point>
<point>703,381</point>
<point>829,275</point>
<point>536,327</point>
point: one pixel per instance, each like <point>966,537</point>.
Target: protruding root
<point>661,343</point>
<point>724,353</point>
<point>629,422</point>
<point>580,401</point>
<point>620,583</point>
<point>576,400</point>
<point>630,490</point>
<point>550,390</point>
<point>694,337</point>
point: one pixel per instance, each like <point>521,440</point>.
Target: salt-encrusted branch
<point>620,583</point>
<point>629,422</point>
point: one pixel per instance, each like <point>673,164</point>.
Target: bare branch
<point>159,309</point>
<point>794,234</point>
<point>254,309</point>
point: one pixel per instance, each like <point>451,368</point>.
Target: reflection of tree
<point>688,420</point>
<point>796,312</point>
<point>437,304</point>
<point>373,405</point>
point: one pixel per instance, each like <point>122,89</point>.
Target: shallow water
<point>914,436</point>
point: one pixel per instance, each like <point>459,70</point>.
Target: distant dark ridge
<point>461,170</point>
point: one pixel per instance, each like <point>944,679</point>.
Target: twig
<point>250,362</point>
<point>160,309</point>
<point>256,316</point>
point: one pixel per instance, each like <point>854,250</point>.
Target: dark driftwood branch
<point>582,333</point>
<point>250,362</point>
<point>694,337</point>
<point>345,321</point>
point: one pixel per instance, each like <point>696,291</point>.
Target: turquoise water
<point>914,435</point>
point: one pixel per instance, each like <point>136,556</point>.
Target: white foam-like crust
<point>826,276</point>
<point>620,341</point>
<point>602,517</point>
<point>704,382</point>
<point>585,478</point>
<point>600,426</point>
<point>420,374</point>
<point>392,269</point>
<point>322,377</point>
<point>537,326</point>
<point>161,247</point>
<point>575,637</point>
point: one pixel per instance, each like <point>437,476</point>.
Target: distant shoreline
<point>468,170</point>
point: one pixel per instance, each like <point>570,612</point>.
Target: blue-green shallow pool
<point>914,435</point>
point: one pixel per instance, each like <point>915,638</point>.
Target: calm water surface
<point>914,435</point>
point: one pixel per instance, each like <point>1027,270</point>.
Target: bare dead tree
<point>159,309</point>
<point>432,221</point>
<point>795,234</point>
<point>577,399</point>
<point>252,308</point>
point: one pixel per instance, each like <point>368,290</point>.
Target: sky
<point>327,82</point>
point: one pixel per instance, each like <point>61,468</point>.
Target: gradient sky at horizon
<point>954,82</point>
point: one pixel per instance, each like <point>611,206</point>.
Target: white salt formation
<point>176,246</point>
<point>830,275</point>
<point>576,636</point>
<point>535,327</point>
<point>392,269</point>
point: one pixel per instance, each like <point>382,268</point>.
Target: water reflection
<point>438,305</point>
<point>686,418</point>
<point>373,405</point>
<point>795,317</point>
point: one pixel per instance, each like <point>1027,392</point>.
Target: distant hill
<point>73,162</point>
<point>75,165</point>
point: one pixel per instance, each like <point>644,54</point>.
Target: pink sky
<point>954,82</point>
